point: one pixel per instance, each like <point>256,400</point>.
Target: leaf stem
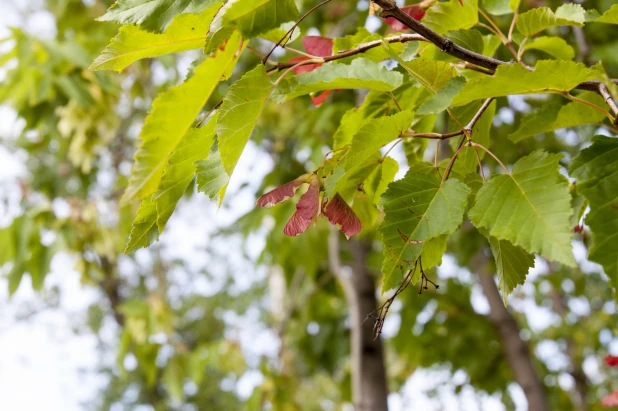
<point>288,33</point>
<point>394,99</point>
<point>594,106</point>
<point>449,166</point>
<point>473,144</point>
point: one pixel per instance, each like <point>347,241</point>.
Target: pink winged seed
<point>340,214</point>
<point>306,209</point>
<point>281,193</point>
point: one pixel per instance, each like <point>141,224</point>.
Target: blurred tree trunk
<point>369,386</point>
<point>516,350</point>
<point>576,371</point>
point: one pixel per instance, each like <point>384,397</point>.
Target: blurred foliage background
<point>195,319</point>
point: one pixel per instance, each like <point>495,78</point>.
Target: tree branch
<point>515,349</point>
<point>610,101</point>
<point>369,387</point>
<point>390,9</point>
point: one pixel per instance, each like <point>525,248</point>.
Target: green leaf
<point>596,171</point>
<point>556,46</point>
<point>432,251</point>
<point>548,76</point>
<point>512,265</point>
<point>23,230</point>
<point>364,157</point>
<point>470,39</point>
<point>610,16</point>
<point>529,207</point>
<point>378,181</point>
<point>211,176</point>
<point>554,115</point>
<point>152,15</point>
<point>7,251</point>
<point>538,19</point>
<point>144,230</point>
<point>375,134</point>
<point>450,15</point>
<point>467,161</point>
<point>180,169</point>
<point>375,104</point>
<point>500,7</point>
<point>250,17</point>
<point>442,99</point>
<point>432,74</point>
<point>171,117</point>
<point>187,32</point>
<point>361,74</point>
<point>417,208</point>
<point>238,114</point>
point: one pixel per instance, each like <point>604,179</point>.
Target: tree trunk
<point>369,388</point>
<point>576,371</point>
<point>515,349</point>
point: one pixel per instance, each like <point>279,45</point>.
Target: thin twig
<point>588,103</point>
<point>610,102</point>
<point>493,155</point>
<point>289,32</point>
<point>434,136</point>
<point>449,166</point>
<point>390,9</point>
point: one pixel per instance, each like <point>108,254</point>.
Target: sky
<point>46,365</point>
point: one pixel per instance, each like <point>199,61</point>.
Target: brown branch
<point>390,9</point>
<point>283,40</point>
<point>361,48</point>
<point>610,101</point>
<point>515,349</point>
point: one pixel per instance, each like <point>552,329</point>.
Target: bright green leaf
<point>211,176</point>
<point>529,207</point>
<point>417,208</point>
<point>238,114</point>
<point>180,169</point>
<point>556,46</point>
<point>187,32</point>
<point>536,20</point>
<point>361,74</point>
<point>450,15</point>
<point>144,230</point>
<point>171,117</point>
<point>554,115</point>
<point>152,15</point>
<point>548,76</point>
<point>610,16</point>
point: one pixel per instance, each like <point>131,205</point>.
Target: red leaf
<point>413,10</point>
<point>281,193</point>
<point>318,46</point>
<point>306,209</point>
<point>319,99</point>
<point>340,214</point>
<point>610,400</point>
<point>303,69</point>
<point>611,360</point>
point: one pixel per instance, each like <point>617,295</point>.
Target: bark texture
<point>369,387</point>
<point>515,349</point>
